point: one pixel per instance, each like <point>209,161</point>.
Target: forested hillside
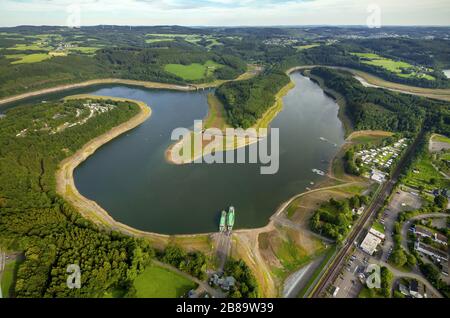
<point>377,109</point>
<point>246,101</point>
<point>35,219</point>
<point>146,64</point>
<point>343,54</point>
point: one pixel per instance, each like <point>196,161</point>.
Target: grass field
<point>191,38</point>
<point>159,40</point>
<point>29,47</point>
<point>306,47</point>
<point>422,174</point>
<point>158,282</point>
<point>84,49</point>
<point>441,138</point>
<point>8,278</point>
<point>378,226</point>
<point>217,117</point>
<point>192,72</point>
<point>28,58</point>
<point>292,255</point>
<point>390,65</point>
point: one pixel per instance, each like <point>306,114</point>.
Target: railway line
<point>330,275</point>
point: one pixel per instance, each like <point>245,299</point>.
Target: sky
<point>223,12</point>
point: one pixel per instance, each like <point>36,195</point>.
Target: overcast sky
<point>222,12</point>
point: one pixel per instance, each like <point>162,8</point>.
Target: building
<point>358,211</point>
<point>335,291</point>
<point>422,232</point>
<point>226,283</point>
<point>440,238</point>
<point>377,233</point>
<point>431,251</point>
<point>378,176</point>
<point>414,290</point>
<point>371,241</point>
<point>435,236</point>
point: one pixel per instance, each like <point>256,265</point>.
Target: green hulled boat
<point>230,219</point>
<point>223,220</point>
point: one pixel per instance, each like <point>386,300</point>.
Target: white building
<point>430,251</point>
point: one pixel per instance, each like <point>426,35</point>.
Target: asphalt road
<point>331,274</point>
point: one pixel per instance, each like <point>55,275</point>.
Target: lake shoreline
<point>205,242</point>
<point>94,212</point>
<point>147,84</point>
<point>65,184</point>
<point>263,122</point>
<point>85,84</point>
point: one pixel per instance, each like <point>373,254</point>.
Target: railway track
<point>377,203</point>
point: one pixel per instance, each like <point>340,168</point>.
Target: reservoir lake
<point>130,178</point>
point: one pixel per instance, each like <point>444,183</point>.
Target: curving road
<point>407,225</point>
<point>399,274</point>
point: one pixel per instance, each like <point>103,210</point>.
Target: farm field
<point>28,58</point>
<point>306,47</point>
<point>159,40</point>
<point>191,38</point>
<point>84,49</point>
<point>194,71</point>
<point>397,67</point>
<point>425,175</point>
<point>158,282</point>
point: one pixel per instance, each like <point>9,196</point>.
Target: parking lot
<point>401,201</point>
<point>348,281</point>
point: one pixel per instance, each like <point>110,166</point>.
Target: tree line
<point>51,233</point>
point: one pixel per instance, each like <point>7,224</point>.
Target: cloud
<point>225,12</point>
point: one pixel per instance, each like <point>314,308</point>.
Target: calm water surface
<point>130,178</point>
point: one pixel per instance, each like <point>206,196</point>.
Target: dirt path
<point>400,274</point>
<point>369,80</point>
<point>247,247</point>
<point>203,285</point>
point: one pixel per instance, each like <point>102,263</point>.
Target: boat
<point>230,219</point>
<point>319,172</point>
<point>223,221</point>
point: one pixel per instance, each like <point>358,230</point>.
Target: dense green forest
<point>145,64</point>
<point>334,218</point>
<point>377,109</point>
<point>52,234</point>
<point>35,219</point>
<point>246,101</point>
<point>246,286</point>
<point>142,52</point>
<point>430,54</point>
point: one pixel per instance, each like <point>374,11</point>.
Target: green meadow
<point>7,278</point>
<point>441,138</point>
<point>28,58</point>
<point>194,71</point>
<point>425,175</point>
<point>306,47</point>
<point>392,66</point>
<point>158,282</point>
